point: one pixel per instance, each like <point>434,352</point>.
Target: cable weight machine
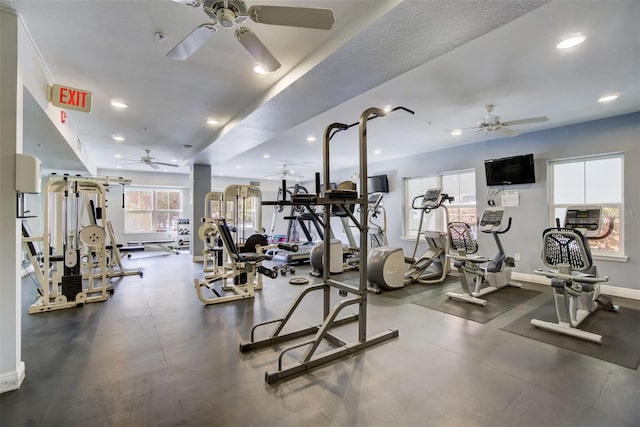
<point>74,267</point>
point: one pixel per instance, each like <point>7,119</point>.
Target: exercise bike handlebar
<point>584,278</point>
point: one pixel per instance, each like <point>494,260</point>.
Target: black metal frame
<point>310,359</point>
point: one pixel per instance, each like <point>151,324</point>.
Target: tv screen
<point>510,170</point>
<point>378,184</point>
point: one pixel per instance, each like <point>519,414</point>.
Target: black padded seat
<point>227,240</point>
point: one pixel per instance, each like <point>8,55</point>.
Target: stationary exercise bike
<point>576,286</point>
<point>478,280</point>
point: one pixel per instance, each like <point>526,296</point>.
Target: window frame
<point>154,211</point>
<point>552,206</point>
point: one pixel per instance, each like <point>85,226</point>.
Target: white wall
<point>115,212</point>
<point>616,134</point>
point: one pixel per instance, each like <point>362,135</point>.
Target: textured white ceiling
<point>443,59</point>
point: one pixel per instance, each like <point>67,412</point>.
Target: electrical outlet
<point>516,256</point>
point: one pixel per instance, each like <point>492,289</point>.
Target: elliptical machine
<point>432,266</point>
<point>574,279</point>
<point>496,274</point>
<point>386,264</point>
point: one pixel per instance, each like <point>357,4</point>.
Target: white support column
<point>200,185</point>
<point>11,111</point>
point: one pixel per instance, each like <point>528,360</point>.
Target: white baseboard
<point>12,380</point>
<point>614,291</point>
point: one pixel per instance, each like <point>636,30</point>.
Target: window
<point>152,210</point>
<point>596,180</point>
<point>460,184</point>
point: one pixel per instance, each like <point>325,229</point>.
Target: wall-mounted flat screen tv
<point>378,184</point>
<point>510,170</point>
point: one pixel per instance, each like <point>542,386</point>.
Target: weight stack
<point>71,286</point>
<point>240,279</point>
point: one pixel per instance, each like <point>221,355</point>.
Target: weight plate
<point>298,280</point>
<point>92,235</point>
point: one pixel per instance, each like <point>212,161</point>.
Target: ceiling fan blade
<point>526,121</point>
<point>506,131</point>
<point>304,17</point>
<point>153,165</point>
<point>192,42</point>
<point>192,3</point>
<point>167,164</point>
<point>256,49</point>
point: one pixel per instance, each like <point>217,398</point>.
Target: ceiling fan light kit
<point>492,123</point>
<point>228,14</point>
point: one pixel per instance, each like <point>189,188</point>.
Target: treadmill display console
<point>431,197</point>
<point>587,218</point>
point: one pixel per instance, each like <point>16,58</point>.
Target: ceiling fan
<point>492,123</point>
<point>151,161</point>
<point>229,14</point>
<point>284,173</point>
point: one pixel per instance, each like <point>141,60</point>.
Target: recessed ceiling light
<point>387,108</point>
<point>238,166</point>
<point>117,156</point>
<point>212,122</point>
<point>456,132</point>
<point>265,156</point>
<point>571,41</point>
<point>118,138</point>
<point>258,69</point>
<point>174,160</point>
<point>118,104</point>
<point>311,138</point>
<point>377,151</point>
<point>164,170</point>
<point>608,98</point>
<point>118,167</point>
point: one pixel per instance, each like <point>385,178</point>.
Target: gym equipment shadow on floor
<point>620,334</point>
<point>417,288</point>
<point>497,303</point>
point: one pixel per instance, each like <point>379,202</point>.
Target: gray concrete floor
<point>153,355</point>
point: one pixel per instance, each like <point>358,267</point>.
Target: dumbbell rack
<point>183,233</point>
<point>354,295</point>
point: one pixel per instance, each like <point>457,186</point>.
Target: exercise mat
<point>417,288</point>
<point>498,303</point>
<point>619,330</point>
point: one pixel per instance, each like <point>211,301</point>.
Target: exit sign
<point>70,98</point>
